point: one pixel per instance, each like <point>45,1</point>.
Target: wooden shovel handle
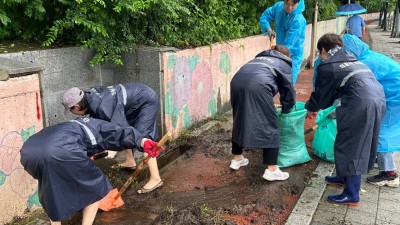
<point>311,129</point>
<point>270,42</point>
<point>133,176</point>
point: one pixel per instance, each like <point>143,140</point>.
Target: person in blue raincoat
<point>131,104</point>
<point>360,108</point>
<point>69,181</point>
<point>290,26</point>
<point>255,121</point>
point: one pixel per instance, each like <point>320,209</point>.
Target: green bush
<point>115,26</point>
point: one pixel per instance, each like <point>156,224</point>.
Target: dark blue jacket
<point>57,157</point>
<point>358,114</point>
<point>253,87</point>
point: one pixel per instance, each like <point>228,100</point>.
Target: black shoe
<point>334,180</point>
<point>383,178</point>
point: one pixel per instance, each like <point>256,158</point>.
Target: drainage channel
<point>200,188</point>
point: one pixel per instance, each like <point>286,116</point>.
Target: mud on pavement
<point>200,188</point>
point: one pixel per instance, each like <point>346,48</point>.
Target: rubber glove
<point>271,34</point>
<point>148,146</point>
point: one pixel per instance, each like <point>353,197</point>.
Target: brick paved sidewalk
<point>379,205</point>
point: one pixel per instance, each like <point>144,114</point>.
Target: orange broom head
<point>111,201</point>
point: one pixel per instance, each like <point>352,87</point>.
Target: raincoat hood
<point>355,45</point>
<point>300,8</point>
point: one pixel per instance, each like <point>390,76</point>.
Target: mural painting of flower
<point>10,145</point>
<point>180,83</point>
<point>11,170</point>
<point>201,91</point>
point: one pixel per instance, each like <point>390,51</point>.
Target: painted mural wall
<point>197,81</point>
<point>21,116</point>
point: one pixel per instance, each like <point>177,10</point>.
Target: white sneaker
<point>276,175</point>
<point>235,165</point>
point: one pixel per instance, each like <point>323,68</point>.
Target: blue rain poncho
<point>387,72</point>
<point>290,31</point>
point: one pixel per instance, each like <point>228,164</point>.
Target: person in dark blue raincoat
<point>131,104</point>
<point>255,122</point>
<point>290,26</point>
<point>387,72</point>
<point>359,111</point>
<point>69,181</point>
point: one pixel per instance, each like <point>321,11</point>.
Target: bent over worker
<point>359,111</point>
<point>290,26</point>
<point>68,180</point>
<point>131,104</point>
<point>255,122</point>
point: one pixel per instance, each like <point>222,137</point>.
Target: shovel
<point>311,129</point>
<point>270,42</point>
<point>323,118</point>
<point>113,198</point>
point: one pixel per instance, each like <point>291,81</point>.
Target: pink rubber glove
<point>148,148</point>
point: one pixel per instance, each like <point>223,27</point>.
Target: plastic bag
<point>293,148</point>
<point>324,137</point>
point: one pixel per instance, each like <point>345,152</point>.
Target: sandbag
<point>324,137</point>
<point>293,148</point>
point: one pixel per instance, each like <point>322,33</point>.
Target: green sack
<point>293,148</point>
<point>324,137</point>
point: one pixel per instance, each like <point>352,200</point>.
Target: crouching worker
<point>360,109</point>
<point>255,122</point>
<point>68,180</point>
<point>131,104</point>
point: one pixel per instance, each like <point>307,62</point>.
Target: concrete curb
<point>307,204</point>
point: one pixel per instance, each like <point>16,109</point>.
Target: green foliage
<point>115,26</point>
<point>375,6</point>
<point>326,9</point>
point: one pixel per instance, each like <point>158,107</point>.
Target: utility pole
<point>314,35</point>
<point>396,22</point>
